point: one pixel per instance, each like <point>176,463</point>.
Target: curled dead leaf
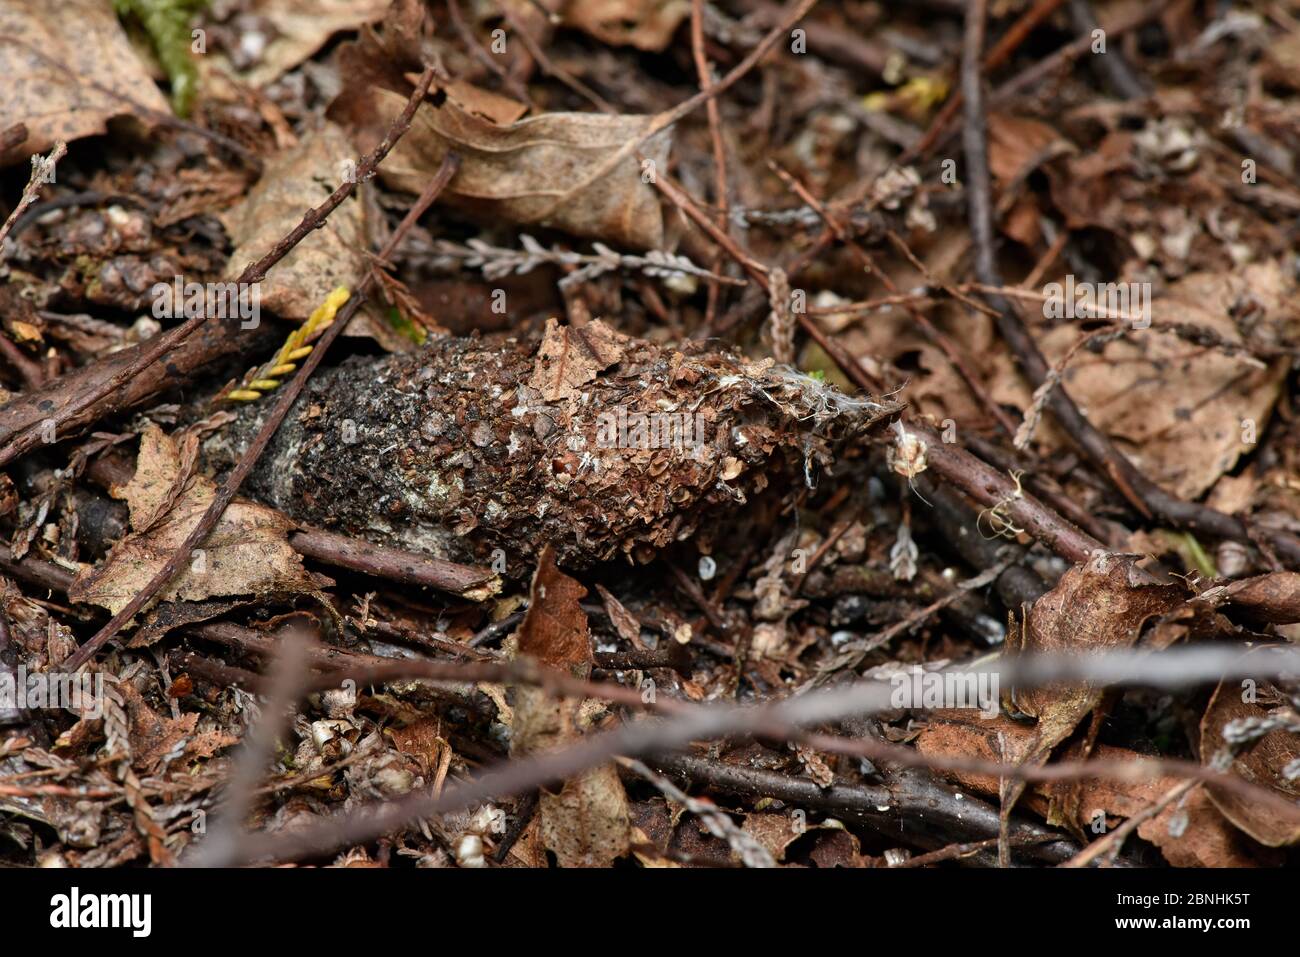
<point>567,171</point>
<point>1266,762</point>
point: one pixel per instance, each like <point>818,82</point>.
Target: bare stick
<point>42,172</point>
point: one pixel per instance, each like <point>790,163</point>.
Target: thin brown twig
<point>42,172</point>
<point>286,680</point>
<point>713,111</point>
<point>1001,52</point>
<point>1112,842</point>
<point>661,121</point>
<point>513,83</point>
<point>550,67</point>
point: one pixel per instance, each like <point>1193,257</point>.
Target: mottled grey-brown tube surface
<point>472,445</point>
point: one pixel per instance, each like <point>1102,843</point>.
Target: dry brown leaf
<point>554,629</point>
<point>1095,607</point>
<point>562,170</point>
<point>1209,840</point>
<point>587,824</point>
<point>300,28</point>
<point>247,553</point>
<point>85,37</point>
<point>296,180</point>
<point>1174,408</point>
<point>1265,599</point>
<point>152,737</point>
<point>1099,606</point>
<point>644,24</point>
<point>625,623</point>
<point>773,831</point>
<point>570,357</point>
<point>1262,763</point>
<point>493,107</point>
<point>1016,143</point>
<point>422,740</point>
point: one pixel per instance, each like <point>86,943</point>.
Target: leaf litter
<point>668,516</point>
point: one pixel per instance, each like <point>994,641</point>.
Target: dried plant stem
<point>42,172</point>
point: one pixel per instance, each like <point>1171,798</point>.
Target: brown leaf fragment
<point>85,37</point>
<point>1095,607</point>
<point>555,630</point>
<point>587,824</point>
<point>1176,411</point>
<point>644,24</point>
<point>246,553</point>
<point>1273,598</point>
<point>153,737</point>
<point>773,831</point>
<point>570,357</point>
<point>295,180</point>
<point>422,740</point>
<point>561,170</point>
<point>1265,762</point>
<point>1208,840</point>
<point>298,28</point>
<point>625,623</point>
